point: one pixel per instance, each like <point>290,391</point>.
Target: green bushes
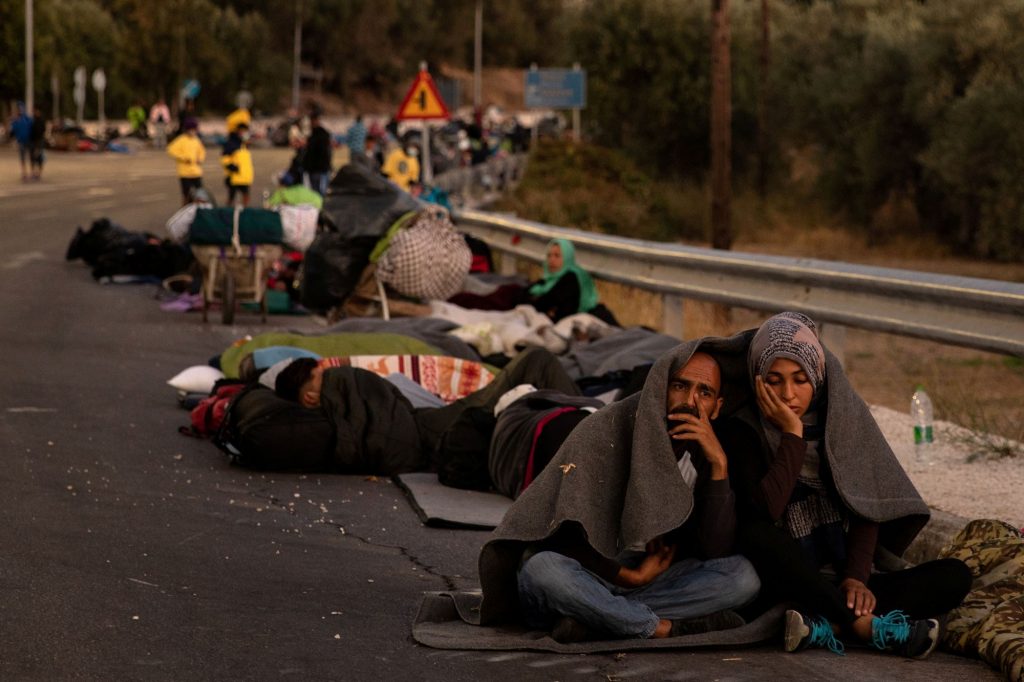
<point>905,105</point>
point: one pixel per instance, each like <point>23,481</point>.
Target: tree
<point>721,120</point>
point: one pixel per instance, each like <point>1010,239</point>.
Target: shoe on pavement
<point>720,620</point>
<point>809,631</point>
<point>568,630</point>
<point>894,633</point>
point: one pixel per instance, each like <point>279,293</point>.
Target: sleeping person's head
<point>300,382</point>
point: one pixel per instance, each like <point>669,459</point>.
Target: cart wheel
<point>227,314</point>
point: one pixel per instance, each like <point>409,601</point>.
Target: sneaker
<point>569,630</point>
<point>720,620</point>
<point>807,631</point>
<point>910,638</point>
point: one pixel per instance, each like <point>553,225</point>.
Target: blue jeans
<point>318,182</point>
<point>553,585</point>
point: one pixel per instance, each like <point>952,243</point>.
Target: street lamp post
<point>478,57</point>
<point>297,55</point>
<point>29,61</point>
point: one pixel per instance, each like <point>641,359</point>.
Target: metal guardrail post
<point>963,311</point>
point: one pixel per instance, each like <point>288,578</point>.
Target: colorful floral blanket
<point>447,377</point>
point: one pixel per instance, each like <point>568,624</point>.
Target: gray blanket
<point>447,620</point>
<point>624,349</point>
<point>615,478</point>
<point>867,475</point>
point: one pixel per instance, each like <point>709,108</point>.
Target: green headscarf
<point>588,292</point>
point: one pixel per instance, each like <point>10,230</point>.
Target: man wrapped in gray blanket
<point>629,532</point>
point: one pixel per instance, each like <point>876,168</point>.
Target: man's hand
<point>859,598</point>
<point>659,558</point>
<point>698,428</point>
<point>777,412</point>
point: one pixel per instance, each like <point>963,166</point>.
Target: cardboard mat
<point>440,505</point>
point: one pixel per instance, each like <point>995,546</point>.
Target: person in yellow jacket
<point>402,167</point>
<point>187,149</point>
<point>238,117</point>
<point>237,161</point>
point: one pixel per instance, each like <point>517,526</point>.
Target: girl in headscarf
<point>566,288</point>
<point>819,491</point>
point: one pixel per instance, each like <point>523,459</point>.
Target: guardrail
<point>963,311</point>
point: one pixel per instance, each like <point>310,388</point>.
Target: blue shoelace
<point>892,628</point>
<point>822,636</point>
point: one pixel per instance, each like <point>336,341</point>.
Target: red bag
<point>208,415</point>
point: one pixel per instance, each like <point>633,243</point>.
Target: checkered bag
<point>428,259</point>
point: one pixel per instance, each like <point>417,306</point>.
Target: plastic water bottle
<point>921,413</point>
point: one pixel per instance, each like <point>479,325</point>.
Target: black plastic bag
<point>331,269</point>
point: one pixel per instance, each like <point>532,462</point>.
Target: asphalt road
<point>130,552</point>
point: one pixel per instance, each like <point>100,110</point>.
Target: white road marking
<point>23,259</point>
<point>30,409</point>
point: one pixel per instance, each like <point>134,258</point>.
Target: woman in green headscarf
<point>566,288</point>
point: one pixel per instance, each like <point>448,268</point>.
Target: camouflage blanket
<point>990,621</point>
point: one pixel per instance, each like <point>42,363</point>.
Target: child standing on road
<point>187,149</point>
<point>237,162</point>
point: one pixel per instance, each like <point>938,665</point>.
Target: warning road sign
<point>423,101</point>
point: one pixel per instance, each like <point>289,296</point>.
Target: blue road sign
<point>556,88</point>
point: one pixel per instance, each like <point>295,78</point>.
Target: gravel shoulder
<point>951,475</point>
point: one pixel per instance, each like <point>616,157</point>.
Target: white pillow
<point>196,379</point>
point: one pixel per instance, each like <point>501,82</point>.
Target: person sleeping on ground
<point>629,532</point>
<point>819,491</point>
<point>378,431</point>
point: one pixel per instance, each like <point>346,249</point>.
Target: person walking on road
<point>402,167</point>
<point>355,137</point>
<point>136,116</point>
<point>316,162</point>
<point>160,116</point>
<point>37,142</point>
<point>188,151</point>
<point>237,162</point>
<point>21,131</point>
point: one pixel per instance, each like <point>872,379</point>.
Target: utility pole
<point>297,54</point>
<point>478,56</point>
<point>764,62</point>
<point>30,75</point>
<point>721,121</point>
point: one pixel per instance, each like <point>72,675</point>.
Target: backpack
<point>208,415</point>
<point>260,430</point>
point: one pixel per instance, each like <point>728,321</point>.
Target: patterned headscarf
<point>789,335</point>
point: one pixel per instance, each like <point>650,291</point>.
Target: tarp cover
<point>359,208</point>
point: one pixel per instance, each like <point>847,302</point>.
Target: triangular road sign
<point>423,101</point>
